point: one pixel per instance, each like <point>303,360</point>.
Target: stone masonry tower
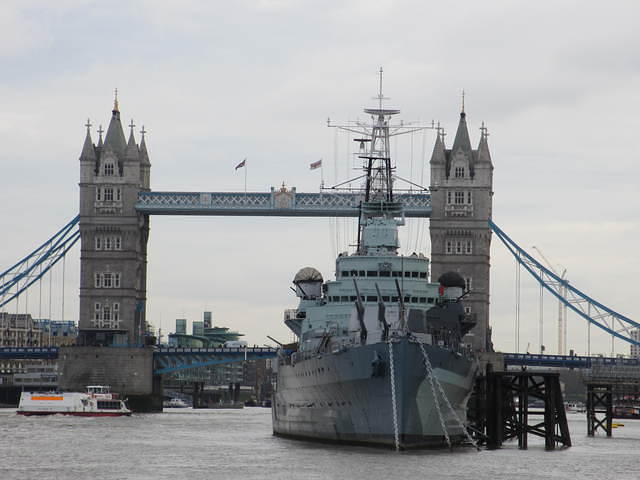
<point>461,197</point>
<point>113,259</point>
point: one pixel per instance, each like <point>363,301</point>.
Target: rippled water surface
<point>211,444</point>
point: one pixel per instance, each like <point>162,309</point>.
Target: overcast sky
<point>214,82</point>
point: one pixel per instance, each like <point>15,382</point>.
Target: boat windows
<point>352,298</point>
<point>422,300</point>
<point>414,299</point>
<point>385,298</point>
<point>385,274</point>
<point>396,274</point>
<point>431,300</point>
<point>354,273</point>
<point>394,299</point>
<point>414,275</point>
<point>407,274</point>
<point>372,273</point>
<point>423,274</point>
<point>108,405</point>
<point>371,298</point>
<point>407,299</point>
<point>344,298</point>
<point>344,274</point>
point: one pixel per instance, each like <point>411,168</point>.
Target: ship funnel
<point>308,282</point>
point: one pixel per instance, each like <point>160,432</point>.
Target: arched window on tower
<point>109,169</point>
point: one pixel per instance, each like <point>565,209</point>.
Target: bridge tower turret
<point>113,259</point>
<point>461,198</point>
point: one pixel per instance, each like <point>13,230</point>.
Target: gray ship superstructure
<point>380,358</point>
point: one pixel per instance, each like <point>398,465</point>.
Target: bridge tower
<point>114,237</point>
<point>461,198</point>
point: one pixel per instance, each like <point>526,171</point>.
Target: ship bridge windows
<point>372,298</point>
<point>385,273</point>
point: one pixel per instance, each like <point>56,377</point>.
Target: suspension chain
<point>432,380</point>
<point>393,396</point>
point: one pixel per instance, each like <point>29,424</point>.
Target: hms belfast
<point>380,358</point>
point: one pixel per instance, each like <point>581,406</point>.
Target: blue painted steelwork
<point>565,361</point>
<point>277,203</point>
<point>169,359</point>
<point>34,266</point>
<point>28,352</point>
<point>586,307</point>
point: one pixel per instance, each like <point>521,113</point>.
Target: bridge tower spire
<point>461,199</point>
<point>113,259</point>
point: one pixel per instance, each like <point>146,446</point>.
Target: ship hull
<point>76,414</point>
<point>346,397</point>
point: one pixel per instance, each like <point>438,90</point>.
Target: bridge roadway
<point>566,361</point>
<point>171,359</point>
<point>276,203</point>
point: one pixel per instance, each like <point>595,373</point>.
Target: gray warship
<point>379,358</point>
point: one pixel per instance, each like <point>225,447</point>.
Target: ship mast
<point>378,168</point>
<point>378,177</point>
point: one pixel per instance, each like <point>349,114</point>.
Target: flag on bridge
<point>315,165</point>
<point>241,164</point>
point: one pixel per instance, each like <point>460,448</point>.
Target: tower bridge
<point>116,202</point>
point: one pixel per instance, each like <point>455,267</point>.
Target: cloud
<point>213,85</point>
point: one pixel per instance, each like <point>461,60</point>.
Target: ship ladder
<point>434,380</point>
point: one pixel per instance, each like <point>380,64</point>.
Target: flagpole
<point>321,175</point>
<point>245,180</point>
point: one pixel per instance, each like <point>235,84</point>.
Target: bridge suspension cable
<point>586,307</point>
<point>18,278</point>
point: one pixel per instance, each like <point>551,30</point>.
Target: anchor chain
<point>432,380</point>
<point>393,396</point>
<point>430,376</point>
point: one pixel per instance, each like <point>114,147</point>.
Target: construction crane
<point>562,308</point>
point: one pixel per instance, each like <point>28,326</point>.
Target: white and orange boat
<point>97,401</point>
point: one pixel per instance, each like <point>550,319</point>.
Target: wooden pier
<point>514,404</point>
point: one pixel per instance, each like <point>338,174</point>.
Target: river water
<point>228,444</point>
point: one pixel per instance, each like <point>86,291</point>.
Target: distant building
<point>208,319</point>
<point>58,333</point>
<point>19,330</point>
<point>181,326</point>
<point>202,336</point>
<point>635,349</point>
<point>197,329</point>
